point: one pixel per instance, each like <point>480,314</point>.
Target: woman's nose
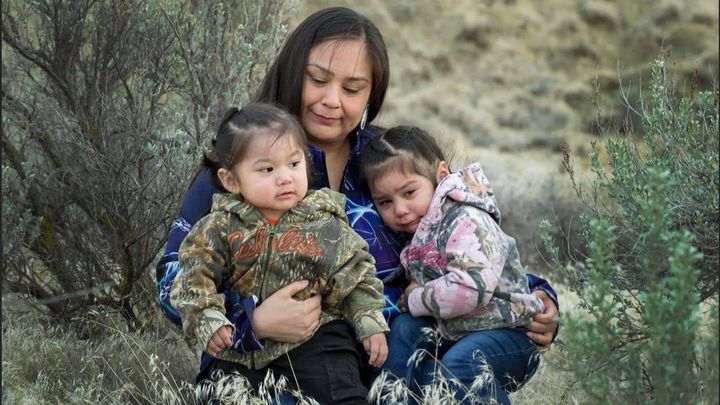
<point>331,98</point>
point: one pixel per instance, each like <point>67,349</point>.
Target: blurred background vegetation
<point>108,105</point>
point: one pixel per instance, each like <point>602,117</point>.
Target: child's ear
<point>443,170</point>
<point>228,181</point>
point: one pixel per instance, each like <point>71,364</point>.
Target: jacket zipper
<point>265,273</point>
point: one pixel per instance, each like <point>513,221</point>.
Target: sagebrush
<point>648,282</point>
<point>107,107</point>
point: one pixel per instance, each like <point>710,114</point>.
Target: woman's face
<point>337,84</point>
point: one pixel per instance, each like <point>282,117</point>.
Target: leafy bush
<point>106,108</point>
<point>650,230</point>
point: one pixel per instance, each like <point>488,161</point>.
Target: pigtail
<point>221,141</point>
<point>211,163</point>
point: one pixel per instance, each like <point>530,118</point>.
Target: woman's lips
<point>325,120</point>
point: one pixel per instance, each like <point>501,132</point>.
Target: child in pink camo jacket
<point>464,271</point>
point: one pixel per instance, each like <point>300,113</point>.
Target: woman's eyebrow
<point>331,73</point>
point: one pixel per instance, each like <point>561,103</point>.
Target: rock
<point>477,32</point>
<point>669,13</point>
<point>687,39</point>
<point>576,94</point>
<point>599,14</point>
<point>582,49</point>
<point>402,12</point>
<point>705,19</point>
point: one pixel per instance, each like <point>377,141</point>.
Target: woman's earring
<point>363,120</point>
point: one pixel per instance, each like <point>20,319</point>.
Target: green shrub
<point>107,107</point>
<point>650,233</point>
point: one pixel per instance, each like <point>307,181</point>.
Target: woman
<point>332,73</point>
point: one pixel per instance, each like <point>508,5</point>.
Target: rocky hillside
<point>521,74</point>
<point>507,82</point>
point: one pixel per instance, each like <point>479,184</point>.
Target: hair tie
<point>229,115</point>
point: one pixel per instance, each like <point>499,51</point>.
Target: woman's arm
<point>195,205</point>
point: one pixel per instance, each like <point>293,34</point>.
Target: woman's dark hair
<point>406,149</point>
<point>283,83</point>
<point>239,127</point>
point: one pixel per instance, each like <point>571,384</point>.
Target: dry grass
<point>44,363</point>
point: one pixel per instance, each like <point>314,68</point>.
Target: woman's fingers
<point>543,326</point>
<point>282,318</point>
<point>291,289</point>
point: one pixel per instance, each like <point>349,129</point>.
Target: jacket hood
<point>315,205</point>
<point>468,186</point>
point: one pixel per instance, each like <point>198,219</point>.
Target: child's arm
<point>476,250</point>
<point>203,256</point>
<point>537,284</point>
<point>362,307</point>
<point>544,327</point>
<point>358,292</point>
<point>355,288</point>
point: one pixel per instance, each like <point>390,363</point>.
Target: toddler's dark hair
<point>239,127</point>
<point>404,148</point>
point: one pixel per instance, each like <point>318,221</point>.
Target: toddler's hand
<point>376,347</point>
<point>219,341</point>
<point>413,285</point>
<point>403,301</point>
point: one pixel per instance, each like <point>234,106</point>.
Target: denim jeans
<point>510,354</point>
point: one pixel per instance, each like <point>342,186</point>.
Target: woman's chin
<point>323,134</point>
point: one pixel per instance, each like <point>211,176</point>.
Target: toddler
<point>464,271</point>
<point>270,231</point>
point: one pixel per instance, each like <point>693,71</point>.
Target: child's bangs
<point>404,163</point>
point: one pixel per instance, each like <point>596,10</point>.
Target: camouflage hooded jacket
<point>233,247</point>
<point>469,269</point>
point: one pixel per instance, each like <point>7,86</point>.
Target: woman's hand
<point>284,319</point>
<point>543,326</point>
<point>219,341</point>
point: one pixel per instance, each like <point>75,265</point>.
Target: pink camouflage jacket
<point>469,268</point>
